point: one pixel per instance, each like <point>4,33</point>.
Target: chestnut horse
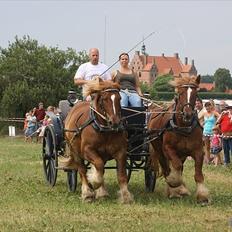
<point>94,132</point>
<point>180,136</point>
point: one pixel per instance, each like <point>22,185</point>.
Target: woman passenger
<point>130,91</point>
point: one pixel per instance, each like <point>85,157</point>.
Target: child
<point>216,146</point>
<point>25,126</point>
<point>41,130</point>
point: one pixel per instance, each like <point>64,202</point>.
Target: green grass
<point>27,203</point>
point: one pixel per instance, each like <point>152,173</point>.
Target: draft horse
<point>94,132</point>
<point>180,136</point>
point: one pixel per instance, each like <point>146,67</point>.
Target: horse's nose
<point>114,121</point>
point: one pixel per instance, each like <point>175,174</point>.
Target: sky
<point>199,30</point>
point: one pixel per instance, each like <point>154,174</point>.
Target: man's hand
<point>88,98</point>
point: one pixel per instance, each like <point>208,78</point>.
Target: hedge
<point>167,96</point>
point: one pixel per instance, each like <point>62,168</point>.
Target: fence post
<point>11,131</point>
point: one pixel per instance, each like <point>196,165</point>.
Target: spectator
<point>31,126</point>
<point>222,106</point>
<point>225,122</point>
<point>54,120</point>
<point>41,129</point>
<point>216,146</point>
<point>210,118</point>
<point>40,114</point>
<point>200,111</point>
<point>25,125</point>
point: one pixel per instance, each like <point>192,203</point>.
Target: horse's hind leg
<point>125,195</point>
<point>202,192</point>
<point>87,193</point>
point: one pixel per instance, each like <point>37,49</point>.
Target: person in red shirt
<point>225,122</point>
<point>40,113</point>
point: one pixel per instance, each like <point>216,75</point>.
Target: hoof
<point>126,198</point>
<point>202,194</point>
<point>88,199</point>
<point>101,193</point>
<point>88,196</point>
<point>177,192</point>
<point>204,202</point>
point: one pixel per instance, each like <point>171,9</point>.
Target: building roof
<point>148,67</point>
<point>165,63</point>
<point>186,68</point>
<point>207,86</point>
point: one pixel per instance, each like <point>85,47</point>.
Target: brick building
<point>149,67</point>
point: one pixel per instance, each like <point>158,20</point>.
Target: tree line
<point>30,73</point>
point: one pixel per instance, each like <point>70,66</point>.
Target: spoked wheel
<point>150,179</point>
<point>72,180</point>
<point>49,155</point>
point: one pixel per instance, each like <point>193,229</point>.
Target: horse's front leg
<point>125,195</point>
<point>95,174</point>
<point>202,192</point>
<point>175,185</point>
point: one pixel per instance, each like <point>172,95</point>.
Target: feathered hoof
<point>126,197</point>
<point>88,196</point>
<point>101,193</point>
<point>202,195</point>
<point>203,202</point>
<point>177,192</point>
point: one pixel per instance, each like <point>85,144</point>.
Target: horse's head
<point>186,88</point>
<point>106,100</point>
<point>108,103</point>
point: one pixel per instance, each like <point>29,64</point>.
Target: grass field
<point>28,204</point>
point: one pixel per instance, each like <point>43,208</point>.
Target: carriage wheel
<point>49,155</point>
<point>150,180</point>
<point>72,180</point>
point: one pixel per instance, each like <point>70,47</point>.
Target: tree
<point>207,79</point>
<point>223,80</point>
<point>161,84</point>
<point>35,72</point>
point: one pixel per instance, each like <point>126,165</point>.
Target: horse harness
<point>93,120</point>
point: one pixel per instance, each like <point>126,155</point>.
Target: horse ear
<point>198,80</point>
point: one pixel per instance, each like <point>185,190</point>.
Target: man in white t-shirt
<point>88,70</point>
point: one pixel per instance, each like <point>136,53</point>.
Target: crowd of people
<point>217,131</point>
<point>36,120</point>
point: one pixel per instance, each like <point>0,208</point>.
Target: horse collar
<point>185,131</point>
<point>102,128</point>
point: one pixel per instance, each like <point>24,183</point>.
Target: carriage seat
<point>134,117</point>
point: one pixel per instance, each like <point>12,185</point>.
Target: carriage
<point>53,147</point>
<point>173,134</point>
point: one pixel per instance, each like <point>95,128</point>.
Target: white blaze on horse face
<point>113,98</point>
<point>189,91</point>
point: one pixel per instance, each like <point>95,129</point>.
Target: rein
<point>96,124</point>
<point>101,115</point>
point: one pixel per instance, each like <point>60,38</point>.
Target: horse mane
<point>97,85</point>
<point>193,80</point>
